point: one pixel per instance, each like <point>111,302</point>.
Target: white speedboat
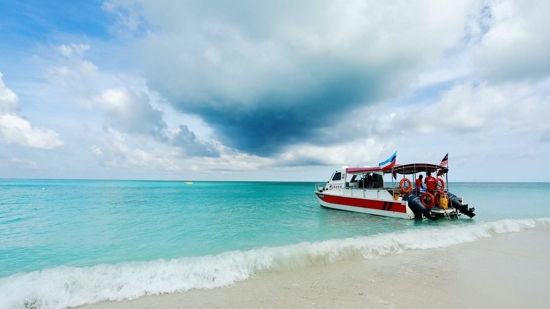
<point>362,189</point>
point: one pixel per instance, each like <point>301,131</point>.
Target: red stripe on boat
<point>363,203</point>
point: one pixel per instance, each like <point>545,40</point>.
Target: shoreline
<point>505,271</point>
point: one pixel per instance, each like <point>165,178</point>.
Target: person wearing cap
<point>431,182</point>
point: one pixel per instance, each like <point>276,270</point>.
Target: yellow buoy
<point>443,201</point>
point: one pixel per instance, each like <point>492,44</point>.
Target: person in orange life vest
<point>431,182</point>
<point>418,183</point>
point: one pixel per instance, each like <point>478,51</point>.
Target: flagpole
<point>447,174</point>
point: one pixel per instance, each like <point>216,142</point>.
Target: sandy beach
<point>504,271</point>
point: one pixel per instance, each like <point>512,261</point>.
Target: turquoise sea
<point>65,243</point>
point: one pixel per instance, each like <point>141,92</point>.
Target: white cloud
<point>129,112</point>
<point>125,102</point>
<point>115,151</point>
<point>8,99</point>
<point>516,42</point>
<point>18,131</point>
<point>361,152</point>
<point>78,77</point>
<point>488,109</point>
<point>464,109</point>
<point>200,52</point>
<point>77,50</point>
<point>450,68</point>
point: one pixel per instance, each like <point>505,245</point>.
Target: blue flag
<point>389,163</point>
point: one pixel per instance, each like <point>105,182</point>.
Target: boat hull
<point>386,208</point>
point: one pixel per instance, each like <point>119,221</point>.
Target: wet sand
<point>504,271</point>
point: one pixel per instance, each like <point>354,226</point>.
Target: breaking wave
<point>63,287</point>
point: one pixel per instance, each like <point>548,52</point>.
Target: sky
<point>273,90</point>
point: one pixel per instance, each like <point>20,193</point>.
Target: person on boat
<point>419,185</point>
<point>431,182</point>
<point>369,182</point>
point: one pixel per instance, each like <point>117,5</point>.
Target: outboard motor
<point>458,205</point>
<point>418,209</point>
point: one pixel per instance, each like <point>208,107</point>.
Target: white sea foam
<point>63,287</point>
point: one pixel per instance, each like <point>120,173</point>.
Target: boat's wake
<point>63,287</point>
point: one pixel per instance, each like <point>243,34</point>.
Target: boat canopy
<point>413,168</point>
<point>361,170</point>
<point>404,169</point>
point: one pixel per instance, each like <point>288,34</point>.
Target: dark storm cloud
<point>269,76</point>
<point>280,119</point>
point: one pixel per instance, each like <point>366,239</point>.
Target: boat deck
<point>450,211</point>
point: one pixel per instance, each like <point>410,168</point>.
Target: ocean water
<point>66,243</point>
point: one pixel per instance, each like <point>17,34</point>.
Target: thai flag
<point>445,161</point>
<point>389,163</point>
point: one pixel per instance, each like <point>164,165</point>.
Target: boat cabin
<point>366,180</point>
